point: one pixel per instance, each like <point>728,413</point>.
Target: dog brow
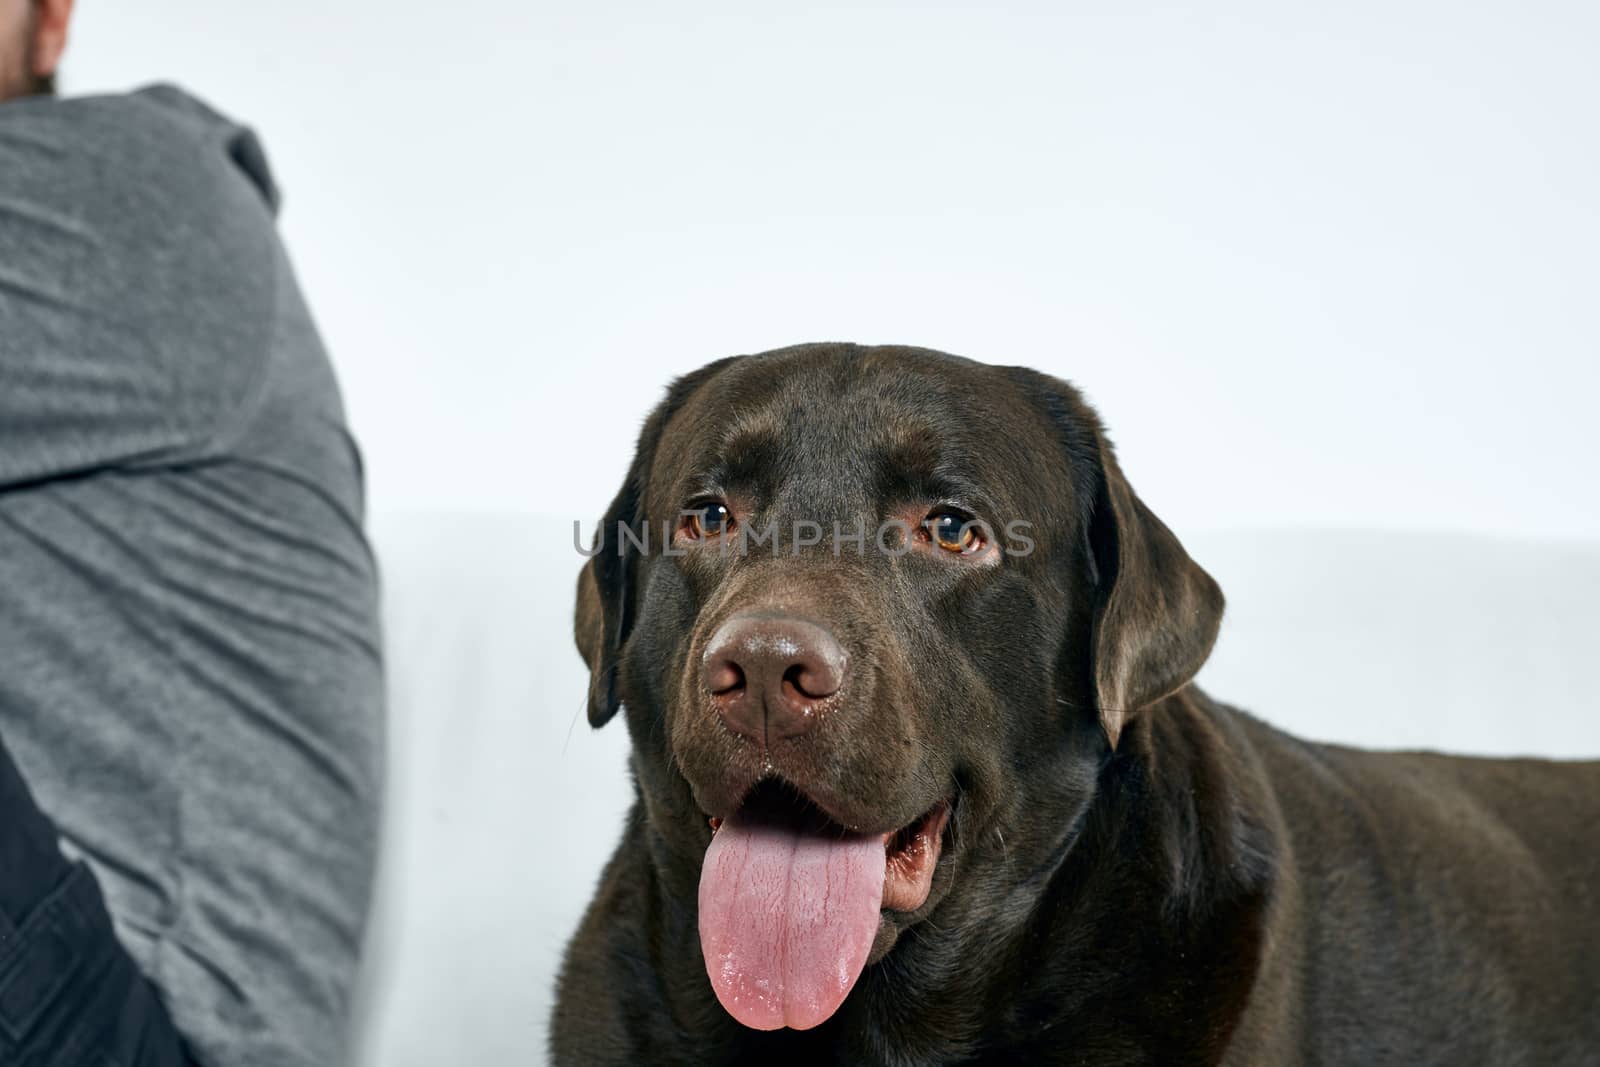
<point>745,456</point>
<point>914,470</point>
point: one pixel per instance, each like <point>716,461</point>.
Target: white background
<point>1321,266</point>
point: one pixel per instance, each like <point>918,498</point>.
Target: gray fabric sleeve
<point>136,281</point>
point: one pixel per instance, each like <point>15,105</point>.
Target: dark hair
<point>40,85</point>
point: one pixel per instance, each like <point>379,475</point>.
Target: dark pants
<point>70,995</point>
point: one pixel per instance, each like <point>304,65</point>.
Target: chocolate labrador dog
<point>921,776</point>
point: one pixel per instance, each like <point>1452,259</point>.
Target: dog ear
<point>590,625</point>
<point>1156,612</point>
<point>606,585</point>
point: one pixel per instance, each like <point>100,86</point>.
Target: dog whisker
<point>573,725</point>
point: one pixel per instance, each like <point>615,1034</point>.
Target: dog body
<point>1088,860</point>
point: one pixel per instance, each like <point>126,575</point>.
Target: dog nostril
<point>725,678</point>
<point>807,684</point>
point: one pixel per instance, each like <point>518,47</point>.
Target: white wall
<point>1321,264</point>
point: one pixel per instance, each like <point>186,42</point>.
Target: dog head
<point>870,612</point>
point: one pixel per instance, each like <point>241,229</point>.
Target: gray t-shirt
<point>190,672</point>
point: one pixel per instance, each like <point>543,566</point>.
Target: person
<point>191,689</point>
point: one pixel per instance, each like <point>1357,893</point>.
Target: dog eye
<point>708,519</point>
<point>954,531</point>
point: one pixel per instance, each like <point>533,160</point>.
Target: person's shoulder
<point>143,225</point>
<point>184,115</point>
<point>158,147</point>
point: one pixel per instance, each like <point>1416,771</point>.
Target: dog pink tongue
<point>787,919</point>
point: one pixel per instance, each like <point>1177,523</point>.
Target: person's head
<point>33,34</point>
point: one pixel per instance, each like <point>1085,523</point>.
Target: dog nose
<point>770,675</point>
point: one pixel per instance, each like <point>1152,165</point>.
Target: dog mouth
<point>791,902</point>
<point>910,853</point>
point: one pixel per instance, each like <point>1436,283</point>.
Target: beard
<point>35,84</point>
